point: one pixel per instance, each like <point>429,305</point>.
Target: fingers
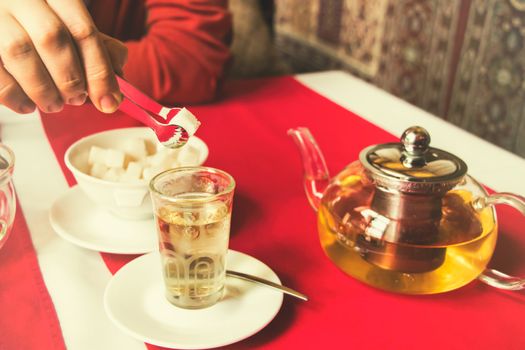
<point>56,49</point>
<point>101,83</point>
<point>118,52</point>
<point>24,65</point>
<point>11,94</point>
<point>53,54</point>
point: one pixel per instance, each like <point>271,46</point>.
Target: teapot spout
<point>316,177</point>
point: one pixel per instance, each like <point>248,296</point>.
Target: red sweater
<point>177,48</point>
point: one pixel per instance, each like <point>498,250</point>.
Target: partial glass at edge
<point>192,208</point>
<point>7,193</point>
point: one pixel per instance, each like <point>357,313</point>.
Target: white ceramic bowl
<point>126,200</point>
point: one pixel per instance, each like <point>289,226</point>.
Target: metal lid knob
<point>412,166</point>
<point>415,142</point>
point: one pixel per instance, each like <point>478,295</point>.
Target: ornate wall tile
<point>417,51</point>
<point>420,51</point>
<point>489,90</point>
<point>346,34</point>
<point>362,34</point>
<point>440,60</point>
<point>304,57</point>
<point>297,18</point>
<point>296,27</point>
<point>403,46</point>
<point>329,21</point>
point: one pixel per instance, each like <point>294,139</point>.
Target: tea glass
<point>7,193</point>
<point>192,207</point>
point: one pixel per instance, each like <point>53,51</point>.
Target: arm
<point>182,56</point>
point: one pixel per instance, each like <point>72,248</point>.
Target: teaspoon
<point>266,283</point>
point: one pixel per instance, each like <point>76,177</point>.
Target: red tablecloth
<point>246,134</point>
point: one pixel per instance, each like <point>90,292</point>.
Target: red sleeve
<point>182,56</point>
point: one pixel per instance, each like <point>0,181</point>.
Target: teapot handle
<point>493,277</point>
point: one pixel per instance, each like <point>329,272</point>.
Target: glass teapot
<point>406,217</point>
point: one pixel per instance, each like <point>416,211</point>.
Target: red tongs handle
<point>173,126</point>
<point>145,102</point>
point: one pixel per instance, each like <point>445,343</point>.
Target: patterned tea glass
<point>192,208</point>
<point>7,193</point>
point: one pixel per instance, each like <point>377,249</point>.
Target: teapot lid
<point>412,166</point>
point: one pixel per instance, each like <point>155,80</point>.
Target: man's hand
<point>51,54</point>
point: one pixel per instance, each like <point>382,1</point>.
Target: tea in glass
<point>193,213</point>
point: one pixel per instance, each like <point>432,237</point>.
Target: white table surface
<point>39,181</point>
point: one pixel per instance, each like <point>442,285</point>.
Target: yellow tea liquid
<point>464,246</point>
<point>193,246</point>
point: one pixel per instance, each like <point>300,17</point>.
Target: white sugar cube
<point>114,158</point>
<point>113,174</point>
<point>158,159</point>
<point>98,170</point>
<point>149,172</point>
<point>134,169</point>
<point>146,162</point>
<point>187,120</point>
<point>97,155</point>
<point>136,148</point>
<point>133,172</point>
<point>173,152</point>
<point>162,159</point>
<point>188,156</point>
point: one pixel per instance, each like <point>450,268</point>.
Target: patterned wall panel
<point>463,60</point>
<point>417,51</point>
<point>341,34</point>
<point>363,25</point>
<point>296,23</point>
<point>489,91</point>
<point>297,17</point>
<point>403,46</point>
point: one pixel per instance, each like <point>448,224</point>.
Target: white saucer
<point>78,220</point>
<point>134,300</point>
